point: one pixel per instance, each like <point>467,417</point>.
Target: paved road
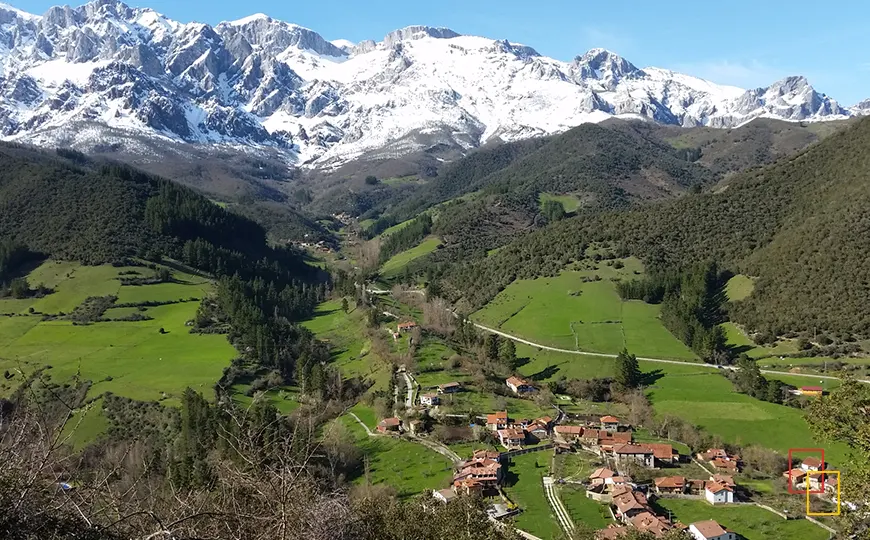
<point>411,384</point>
<point>556,503</point>
<point>645,359</point>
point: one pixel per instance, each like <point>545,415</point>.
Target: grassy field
<point>351,350</point>
<point>395,228</point>
<point>698,394</point>
<point>739,287</point>
<point>131,359</point>
<point>284,399</point>
<point>738,339</point>
<point>583,509</point>
<point>525,487</point>
<point>86,425</point>
<point>570,313</point>
<point>750,522</point>
<point>409,467</point>
<point>400,260</point>
<point>569,202</point>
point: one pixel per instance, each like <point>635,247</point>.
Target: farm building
<point>449,388</point>
<point>609,423</point>
<point>389,424</point>
<point>671,484</point>
<point>710,530</point>
<point>511,438</point>
<point>717,493</point>
<point>519,386</point>
<point>637,453</point>
<point>430,399</point>
<point>497,420</point>
<point>811,391</point>
<point>407,326</point>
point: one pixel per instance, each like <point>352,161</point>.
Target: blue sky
<point>740,42</point>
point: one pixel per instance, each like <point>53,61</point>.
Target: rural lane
<point>411,384</point>
<point>645,359</point>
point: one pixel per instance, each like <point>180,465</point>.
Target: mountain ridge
<point>259,82</point>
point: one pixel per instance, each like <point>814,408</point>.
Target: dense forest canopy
<point>799,225</point>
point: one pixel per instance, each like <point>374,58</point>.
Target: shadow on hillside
<point>545,373</point>
<point>651,377</point>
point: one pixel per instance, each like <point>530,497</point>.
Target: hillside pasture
<point>131,359</point>
<point>409,467</point>
<point>748,521</point>
<point>350,348</point>
<point>698,394</point>
<point>576,312</point>
<point>399,261</point>
<point>569,202</point>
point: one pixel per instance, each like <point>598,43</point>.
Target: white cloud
<point>745,74</point>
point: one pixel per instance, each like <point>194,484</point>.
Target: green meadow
<point>350,349</point>
<point>698,394</point>
<point>524,486</point>
<point>569,202</point>
<point>399,261</point>
<point>739,287</point>
<point>748,521</point>
<point>570,313</point>
<point>131,359</point>
<point>583,509</point>
<point>409,467</point>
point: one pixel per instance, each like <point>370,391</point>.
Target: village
<point>628,475</point>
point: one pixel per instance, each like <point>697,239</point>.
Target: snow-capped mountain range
<point>263,83</point>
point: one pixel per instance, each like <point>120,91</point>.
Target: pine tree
<point>491,346</point>
<point>508,352</point>
<point>628,373</point>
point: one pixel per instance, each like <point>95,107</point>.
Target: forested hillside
<point>67,206</point>
<point>799,225</point>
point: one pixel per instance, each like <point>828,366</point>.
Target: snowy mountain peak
<point>274,37</point>
<point>82,76</point>
<point>15,12</point>
<point>418,32</point>
<point>249,19</point>
<point>605,66</point>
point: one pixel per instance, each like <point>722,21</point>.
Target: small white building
<point>444,495</point>
<point>718,493</point>
<point>430,399</point>
<point>812,464</point>
<point>710,530</point>
<point>519,386</point>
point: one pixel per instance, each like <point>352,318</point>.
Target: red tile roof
<point>569,430</point>
<point>716,487</point>
<point>812,462</point>
<point>610,419</point>
<point>812,389</point>
<point>390,422</point>
<point>723,479</point>
<point>633,449</point>
<point>709,528</point>
<point>671,482</point>
<point>601,473</point>
<point>516,381</point>
<point>661,451</point>
<point>500,417</point>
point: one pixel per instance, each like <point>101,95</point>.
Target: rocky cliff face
<point>260,82</point>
